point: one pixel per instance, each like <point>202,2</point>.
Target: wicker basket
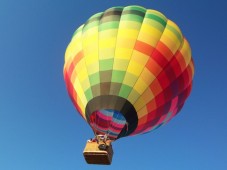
<point>94,155</point>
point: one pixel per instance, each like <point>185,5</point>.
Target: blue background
<point>39,127</point>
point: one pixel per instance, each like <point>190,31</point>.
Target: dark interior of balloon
<point>111,115</point>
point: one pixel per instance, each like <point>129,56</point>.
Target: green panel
<point>156,18</point>
<point>131,17</point>
<point>109,25</point>
<point>116,8</point>
<point>91,25</point>
<point>156,25</point>
<point>118,76</point>
<point>92,22</point>
<point>125,90</point>
<point>97,15</point>
<point>94,79</point>
<point>88,94</point>
<point>136,8</point>
<point>106,64</point>
<point>172,29</point>
<point>110,18</point>
<point>94,18</point>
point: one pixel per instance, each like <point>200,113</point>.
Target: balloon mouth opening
<point>108,122</point>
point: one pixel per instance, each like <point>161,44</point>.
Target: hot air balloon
<point>128,71</point>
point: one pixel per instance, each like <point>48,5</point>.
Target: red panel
<point>143,47</point>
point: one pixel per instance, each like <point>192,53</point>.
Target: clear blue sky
<point>39,127</point>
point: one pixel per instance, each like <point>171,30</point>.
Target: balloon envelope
<point>128,70</point>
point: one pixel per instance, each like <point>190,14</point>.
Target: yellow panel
<point>67,64</point>
<point>171,34</point>
<point>129,79</point>
<point>81,70</point>
<point>126,39</point>
<point>186,51</point>
<point>82,74</point>
<point>153,23</point>
<point>80,92</point>
<point>93,68</point>
<point>140,86</point>
<point>150,29</point>
<point>135,68</point>
<point>88,40</point>
<point>139,104</point>
<point>126,43</point>
<point>73,76</point>
<point>91,49</point>
<point>107,42</point>
<point>82,107</point>
<point>92,45</point>
<point>133,96</point>
<point>73,48</point>
<point>150,36</point>
<point>128,33</point>
<point>186,55</point>
<point>142,112</point>
<point>106,53</point>
<point>108,33</point>
<point>147,76</point>
<point>170,39</point>
<point>120,64</point>
<point>91,31</point>
<point>147,95</point>
<point>139,58</point>
<point>91,53</point>
<point>130,24</point>
<point>123,53</point>
<point>171,23</point>
<point>83,102</point>
<point>90,59</point>
<point>80,65</point>
<point>69,51</point>
<point>85,84</point>
<point>152,40</point>
<point>172,43</point>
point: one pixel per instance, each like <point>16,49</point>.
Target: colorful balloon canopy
<point>128,71</point>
